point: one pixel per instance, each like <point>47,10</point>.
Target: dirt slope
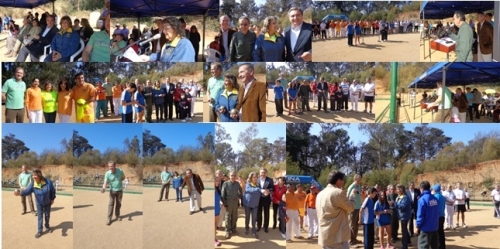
<point>62,172</point>
<point>205,171</point>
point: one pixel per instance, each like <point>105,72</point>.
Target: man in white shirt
<point>193,90</point>
<point>449,211</point>
<point>495,197</point>
<point>355,90</point>
<point>460,204</point>
<point>413,97</point>
<point>369,91</point>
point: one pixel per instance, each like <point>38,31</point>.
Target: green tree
<point>80,144</point>
<point>12,147</point>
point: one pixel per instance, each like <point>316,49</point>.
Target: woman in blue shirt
<point>270,45</point>
<point>140,103</point>
<point>128,103</point>
<point>383,213</point>
<point>176,183</point>
<point>357,29</point>
<point>252,197</point>
<point>227,101</point>
<point>159,99</point>
<point>350,33</point>
<point>179,49</point>
<point>292,97</point>
<point>65,43</point>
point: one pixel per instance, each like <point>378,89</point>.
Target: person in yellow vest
<point>84,97</point>
<point>301,198</point>
<point>49,103</point>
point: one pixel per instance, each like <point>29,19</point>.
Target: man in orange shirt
<point>33,102</point>
<point>301,197</point>
<point>117,95</point>
<point>292,212</point>
<point>310,207</point>
<point>84,97</point>
<point>102,104</point>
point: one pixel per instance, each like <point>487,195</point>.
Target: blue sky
<point>176,135</point>
<point>271,131</point>
<point>458,132</point>
<point>38,137</point>
<point>104,136</point>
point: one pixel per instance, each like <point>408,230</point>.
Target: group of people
<point>296,95</point>
<point>31,38</point>
<point>256,194</point>
<point>232,103</point>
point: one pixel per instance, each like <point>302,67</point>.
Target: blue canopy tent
<point>296,179</point>
<point>26,4</point>
<point>335,16</point>
<point>309,78</point>
<point>458,74</point>
<point>446,9</point>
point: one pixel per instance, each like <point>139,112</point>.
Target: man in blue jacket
<point>427,218</point>
<point>442,206</point>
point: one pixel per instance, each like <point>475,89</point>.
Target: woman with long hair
<point>383,214</point>
<point>45,194</point>
<point>252,198</point>
<point>140,103</point>
<point>159,100</point>
<point>194,38</point>
<point>292,97</point>
<point>64,101</point>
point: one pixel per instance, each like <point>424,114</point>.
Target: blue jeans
<point>178,194</point>
<point>49,58</point>
<point>43,211</point>
<point>251,211</point>
<point>102,105</point>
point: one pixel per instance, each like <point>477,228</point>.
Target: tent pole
<point>139,26</point>
<point>204,27</point>
<point>414,108</point>
<point>443,95</point>
<point>393,104</point>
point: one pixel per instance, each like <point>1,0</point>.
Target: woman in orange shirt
<point>33,102</point>
<point>117,94</point>
<point>64,101</point>
<point>301,198</point>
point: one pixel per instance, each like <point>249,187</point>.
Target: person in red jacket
<point>279,191</point>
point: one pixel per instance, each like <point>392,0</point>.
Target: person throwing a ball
<point>115,178</point>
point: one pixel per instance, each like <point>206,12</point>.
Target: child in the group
<point>176,183</point>
<point>188,98</point>
<point>184,107</point>
<point>366,214</point>
<point>339,95</point>
<point>292,97</point>
<point>383,215</point>
<point>278,97</point>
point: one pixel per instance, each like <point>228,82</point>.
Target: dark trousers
<point>264,206</point>
<point>109,99</point>
<point>428,240</point>
<point>177,109</point>
<point>279,106</point>
<point>189,109</point>
<point>476,110</point>
<point>282,225</point>
<point>369,235</point>
<point>149,112</point>
<point>394,224</point>
<point>442,238</point>
<point>178,194</point>
<point>183,112</point>
<point>127,118</point>
<point>345,102</point>
<point>50,117</point>
<point>168,109</point>
<point>14,115</point>
<point>410,225</point>
<point>349,39</point>
<point>471,114</point>
<point>384,35</point>
<point>275,214</point>
<point>159,108</point>
<point>43,210</point>
<point>30,199</point>
<point>332,105</point>
<point>406,236</point>
<point>115,202</point>
<point>254,211</point>
<point>340,104</point>
<point>497,209</point>
<point>467,203</point>
<point>305,103</point>
<point>323,34</point>
<point>165,187</point>
<point>285,97</point>
<point>322,99</point>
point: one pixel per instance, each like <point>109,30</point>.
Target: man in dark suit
<point>251,101</point>
<point>226,35</point>
<point>35,49</point>
<point>266,185</point>
<point>322,94</point>
<point>169,99</point>
<point>156,48</point>
<point>298,37</point>
<point>413,195</point>
<point>148,95</point>
<point>191,180</point>
<point>485,39</point>
<point>219,181</point>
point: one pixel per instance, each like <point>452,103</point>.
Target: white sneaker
<point>189,119</point>
<point>184,121</point>
<point>283,235</point>
<point>463,225</point>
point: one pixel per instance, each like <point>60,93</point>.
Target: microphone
<point>155,37</point>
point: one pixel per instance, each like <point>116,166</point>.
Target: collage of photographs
<point>250,124</point>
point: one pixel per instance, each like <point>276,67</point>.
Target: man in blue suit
<point>298,37</point>
<point>36,46</point>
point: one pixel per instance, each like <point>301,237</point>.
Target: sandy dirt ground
<point>482,232</point>
<point>315,116</point>
<point>167,224</point>
<point>17,227</point>
<point>399,47</point>
<point>431,55</point>
<point>271,240</point>
<point>90,211</point>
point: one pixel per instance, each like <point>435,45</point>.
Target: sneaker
<point>463,225</point>
<point>108,222</point>
<point>389,246</point>
<point>217,243</point>
<point>382,247</point>
<point>38,235</point>
<point>184,121</point>
<point>283,236</point>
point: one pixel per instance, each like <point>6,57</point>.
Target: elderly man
<point>355,189</point>
<point>195,187</point>
<point>333,208</point>
<point>24,181</point>
<point>230,197</point>
<point>484,38</point>
<point>114,177</point>
<point>252,102</point>
<point>464,38</point>
<point>226,36</point>
<point>243,41</point>
<point>13,92</point>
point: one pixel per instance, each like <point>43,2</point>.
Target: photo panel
<point>471,93</point>
<point>366,31</point>
<point>48,31</point>
<point>458,163</point>
<point>108,192</point>
<point>139,36</point>
<point>39,216</point>
<point>250,160</point>
<point>325,92</point>
<point>178,180</point>
<point>229,84</point>
<point>459,31</point>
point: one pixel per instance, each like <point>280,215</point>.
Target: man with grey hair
<point>252,97</point>
<point>243,41</point>
<point>226,35</point>
<point>298,37</point>
<point>115,178</point>
<point>355,190</point>
<point>215,86</point>
<point>484,39</point>
<point>463,36</point>
<point>495,197</point>
<point>24,180</point>
<point>230,197</point>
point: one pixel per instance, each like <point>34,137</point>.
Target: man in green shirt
<point>166,178</point>
<point>109,94</point>
<point>284,84</point>
<point>13,92</point>
<point>354,216</point>
<point>98,48</point>
<point>25,180</point>
<point>215,87</point>
<point>242,43</point>
<point>464,39</point>
<point>114,177</point>
<point>230,197</point>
